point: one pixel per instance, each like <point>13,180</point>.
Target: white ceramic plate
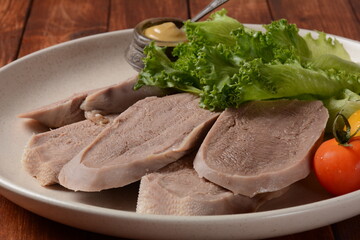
<point>57,72</point>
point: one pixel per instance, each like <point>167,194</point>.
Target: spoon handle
<point>214,4</point>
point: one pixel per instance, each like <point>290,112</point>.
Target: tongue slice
<point>147,136</point>
<point>263,146</point>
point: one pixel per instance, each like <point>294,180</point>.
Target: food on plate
<point>178,190</point>
<point>112,99</point>
<point>275,92</point>
<point>147,136</point>
<point>338,167</point>
<point>262,146</point>
<point>354,121</point>
<point>117,98</point>
<point>337,161</point>
<point>60,113</point>
<point>46,153</point>
<point>165,32</point>
<point>227,64</point>
<point>346,102</point>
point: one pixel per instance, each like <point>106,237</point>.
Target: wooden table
<point>29,25</point>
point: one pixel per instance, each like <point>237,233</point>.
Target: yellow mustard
<point>165,32</point>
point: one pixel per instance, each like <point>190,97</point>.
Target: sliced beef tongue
<point>147,136</point>
<point>263,146</point>
<point>112,99</point>
<point>117,98</point>
<point>178,190</point>
<point>46,153</point>
<point>60,113</point>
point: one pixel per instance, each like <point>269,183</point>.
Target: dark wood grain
<point>126,14</point>
<point>13,15</point>
<point>348,229</point>
<point>331,16</point>
<point>246,11</point>
<point>55,21</point>
<point>17,223</point>
<point>317,234</point>
<point>355,4</point>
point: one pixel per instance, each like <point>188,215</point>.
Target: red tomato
<point>338,167</point>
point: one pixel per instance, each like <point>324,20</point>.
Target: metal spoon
<point>213,5</point>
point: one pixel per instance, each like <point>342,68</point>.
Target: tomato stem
<point>341,136</point>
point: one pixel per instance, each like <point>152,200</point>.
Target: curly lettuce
<point>227,64</point>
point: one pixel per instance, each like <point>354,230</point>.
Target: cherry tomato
<point>354,121</point>
<point>337,167</point>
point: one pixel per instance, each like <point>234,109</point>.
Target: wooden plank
<point>320,233</point>
<point>348,229</point>
<point>56,21</point>
<point>126,14</point>
<point>18,223</point>
<point>355,4</point>
<point>336,16</point>
<point>13,15</point>
<point>246,11</point>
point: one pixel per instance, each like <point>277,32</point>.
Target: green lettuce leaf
<point>216,29</point>
<point>227,64</point>
<point>325,45</point>
<point>346,102</point>
<point>160,72</point>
